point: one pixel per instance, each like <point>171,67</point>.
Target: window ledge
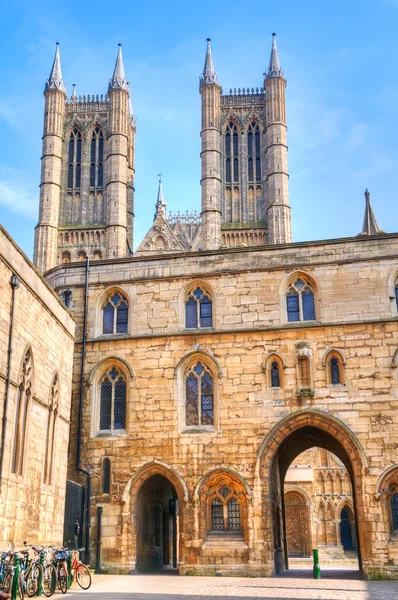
<point>225,538</point>
<point>112,336</point>
<point>203,429</point>
<point>117,433</point>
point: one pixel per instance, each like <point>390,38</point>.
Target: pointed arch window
<point>225,511</point>
<point>274,369</point>
<point>50,435</point>
<point>254,152</point>
<point>231,153</point>
<point>300,300</point>
<point>394,511</point>
<point>396,293</point>
<point>106,476</point>
<point>199,396</point>
<point>275,376</point>
<point>113,401</point>
<point>74,159</point>
<point>97,158</point>
<point>115,314</point>
<point>198,309</point>
<point>334,362</point>
<point>21,415</point>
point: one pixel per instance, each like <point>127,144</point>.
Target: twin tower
<point>87,177</point>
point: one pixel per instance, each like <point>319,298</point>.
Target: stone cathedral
<point>234,396</point>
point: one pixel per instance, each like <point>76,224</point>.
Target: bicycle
<point>50,580</point>
<point>80,571</point>
<point>61,562</point>
<point>8,570</point>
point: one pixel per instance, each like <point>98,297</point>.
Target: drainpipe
<point>15,282</point>
<point>98,557</point>
<point>81,469</point>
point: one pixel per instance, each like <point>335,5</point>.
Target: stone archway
<point>297,524</point>
<point>131,528</point>
<point>292,436</point>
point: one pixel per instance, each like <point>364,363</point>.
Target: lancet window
<point>115,314</point>
<point>231,154</point>
<point>254,152</point>
<point>394,511</point>
<point>74,159</point>
<point>113,401</point>
<point>198,309</point>
<point>24,394</point>
<point>97,158</point>
<point>300,300</point>
<point>225,511</point>
<point>106,476</point>
<point>199,396</point>
<point>50,435</point>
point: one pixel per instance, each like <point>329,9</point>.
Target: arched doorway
<point>295,434</point>
<point>297,525</point>
<point>156,525</point>
<point>347,529</point>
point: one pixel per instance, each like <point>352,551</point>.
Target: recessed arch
<point>105,362</point>
<point>203,354</point>
<point>289,286</point>
<point>151,468</point>
<point>221,470</point>
<point>188,294</point>
<point>104,298</point>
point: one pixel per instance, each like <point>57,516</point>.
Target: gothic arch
<point>201,353</point>
<point>104,363</point>
<point>189,287</point>
<point>391,284</point>
<point>253,118</point>
<point>101,301</point>
<point>231,118</point>
<point>297,489</point>
<point>287,281</point>
<point>267,365</point>
<point>231,472</point>
<point>155,467</point>
<point>394,362</point>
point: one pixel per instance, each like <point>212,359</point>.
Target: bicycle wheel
<point>83,576</point>
<point>34,579</point>
<point>21,587</point>
<point>49,580</point>
<point>63,583</point>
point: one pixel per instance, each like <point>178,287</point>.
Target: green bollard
<point>69,571</point>
<point>317,568</point>
<point>14,585</point>
<point>40,588</point>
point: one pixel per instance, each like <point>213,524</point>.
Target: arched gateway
<point>289,438</point>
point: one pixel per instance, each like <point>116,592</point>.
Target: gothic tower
<point>244,160</point>
<point>210,155</point>
<point>87,179</point>
<point>277,175</point>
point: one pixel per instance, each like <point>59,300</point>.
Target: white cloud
<point>357,136</point>
<point>17,195</point>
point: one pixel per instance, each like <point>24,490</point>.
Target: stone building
<point>36,340</point>
<point>319,507</point>
<point>220,351</point>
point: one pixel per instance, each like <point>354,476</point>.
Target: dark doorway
<point>74,511</point>
<point>156,526</point>
<point>294,444</point>
<point>347,530</point>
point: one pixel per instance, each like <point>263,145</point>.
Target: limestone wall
<point>32,509</point>
<point>355,315</point>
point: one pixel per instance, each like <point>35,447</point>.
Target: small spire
<point>274,69</point>
<point>160,204</point>
<point>131,110</point>
<point>370,226</point>
<point>74,97</point>
<point>209,74</point>
<point>118,81</point>
<point>55,82</point>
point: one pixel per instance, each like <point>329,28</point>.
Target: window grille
<point>225,511</point>
<point>106,476</point>
<point>198,309</point>
<point>334,371</point>
<point>115,315</point>
<point>217,515</point>
<point>394,512</point>
<point>300,301</point>
<point>199,397</point>
<point>113,401</point>
<point>233,515</point>
<point>275,380</point>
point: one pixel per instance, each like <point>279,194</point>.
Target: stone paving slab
<point>296,585</point>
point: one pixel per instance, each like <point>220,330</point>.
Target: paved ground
<point>297,584</point>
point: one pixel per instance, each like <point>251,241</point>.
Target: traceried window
<point>199,396</point>
<point>74,159</point>
<point>300,300</point>
<point>254,152</point>
<point>198,309</point>
<point>96,158</point>
<point>394,512</point>
<point>115,314</point>
<point>113,401</point>
<point>231,154</point>
<point>106,476</point>
<point>225,511</point>
<point>24,394</point>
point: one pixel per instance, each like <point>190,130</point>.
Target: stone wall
<point>356,419</point>
<point>33,497</point>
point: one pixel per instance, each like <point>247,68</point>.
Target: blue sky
<point>339,57</point>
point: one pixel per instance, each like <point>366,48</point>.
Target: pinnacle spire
<point>131,110</point>
<point>160,209</point>
<point>370,226</point>
<point>55,82</point>
<point>209,74</point>
<point>118,81</point>
<point>274,69</point>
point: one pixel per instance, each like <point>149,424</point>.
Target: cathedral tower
<point>277,176</point>
<point>210,155</point>
<point>87,179</point>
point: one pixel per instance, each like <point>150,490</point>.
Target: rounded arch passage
<point>295,434</point>
<point>153,519</point>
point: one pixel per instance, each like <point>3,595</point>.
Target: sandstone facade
<point>35,447</point>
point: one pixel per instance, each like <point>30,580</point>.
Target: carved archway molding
<point>297,489</point>
<point>218,473</point>
<point>155,467</point>
<point>387,481</point>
